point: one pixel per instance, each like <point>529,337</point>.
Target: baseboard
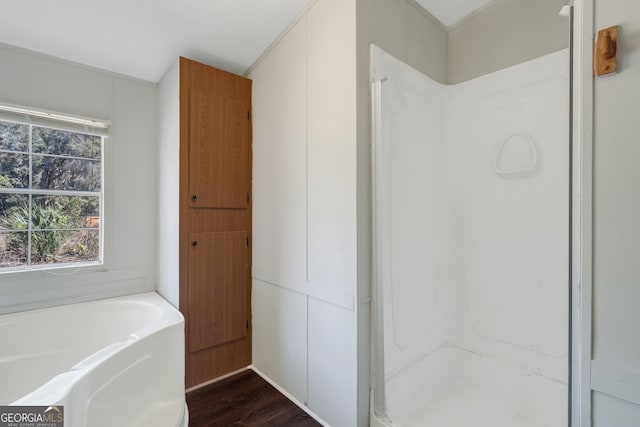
<point>301,405</point>
<point>215,380</point>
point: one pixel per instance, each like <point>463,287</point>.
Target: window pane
<point>14,212</point>
<point>14,136</point>
<point>63,247</point>
<point>65,143</point>
<point>58,173</point>
<point>56,212</point>
<point>13,249</point>
<point>14,223</point>
<point>83,245</point>
<point>65,229</point>
<point>14,170</point>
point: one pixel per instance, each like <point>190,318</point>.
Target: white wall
<point>304,212</point>
<point>39,81</point>
<point>505,33</point>
<point>405,30</point>
<point>168,180</point>
<point>616,347</point>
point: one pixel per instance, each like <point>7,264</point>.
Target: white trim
<point>216,379</point>
<point>282,35</point>
<point>379,403</point>
<point>286,394</point>
<point>62,269</point>
<point>54,120</point>
<point>106,212</point>
<point>35,230</point>
<point>52,115</point>
<point>616,381</point>
<point>39,192</point>
<point>582,221</point>
<point>57,156</point>
<point>29,292</point>
<point>331,295</point>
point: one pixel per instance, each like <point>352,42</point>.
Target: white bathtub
<point>114,362</point>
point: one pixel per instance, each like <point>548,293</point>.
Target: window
<point>51,190</point>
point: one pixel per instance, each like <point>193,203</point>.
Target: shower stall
<point>471,246</point>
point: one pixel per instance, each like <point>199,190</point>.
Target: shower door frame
<point>581,208</point>
<point>378,403</point>
<point>581,225</point>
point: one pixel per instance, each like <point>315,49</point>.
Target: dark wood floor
<point>244,399</point>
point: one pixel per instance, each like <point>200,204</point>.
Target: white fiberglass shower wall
<point>471,246</point>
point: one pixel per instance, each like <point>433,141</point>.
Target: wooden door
<point>218,288</point>
<point>218,151</point>
<point>215,273</point>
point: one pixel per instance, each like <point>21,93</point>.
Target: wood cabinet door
<point>219,151</point>
<point>218,288</point>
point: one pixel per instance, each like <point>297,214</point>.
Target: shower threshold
<point>454,387</point>
<point>468,407</point>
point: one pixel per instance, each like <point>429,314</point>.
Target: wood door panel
<point>214,362</point>
<point>203,220</point>
<point>219,151</point>
<point>218,288</point>
<point>221,178</point>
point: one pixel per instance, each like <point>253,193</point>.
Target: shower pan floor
<point>468,407</point>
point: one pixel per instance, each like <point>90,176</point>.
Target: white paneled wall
<point>280,336</point>
<point>332,363</point>
<point>131,180</point>
<point>304,212</point>
<point>331,166</point>
<point>616,230</point>
<point>279,163</point>
<point>42,82</point>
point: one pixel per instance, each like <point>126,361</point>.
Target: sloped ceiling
<point>141,38</point>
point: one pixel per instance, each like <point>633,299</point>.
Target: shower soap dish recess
<point>517,173</point>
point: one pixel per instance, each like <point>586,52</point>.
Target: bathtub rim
<point>166,317</point>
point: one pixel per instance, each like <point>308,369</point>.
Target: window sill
<point>54,270</point>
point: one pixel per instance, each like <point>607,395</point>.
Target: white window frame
<point>54,120</point>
